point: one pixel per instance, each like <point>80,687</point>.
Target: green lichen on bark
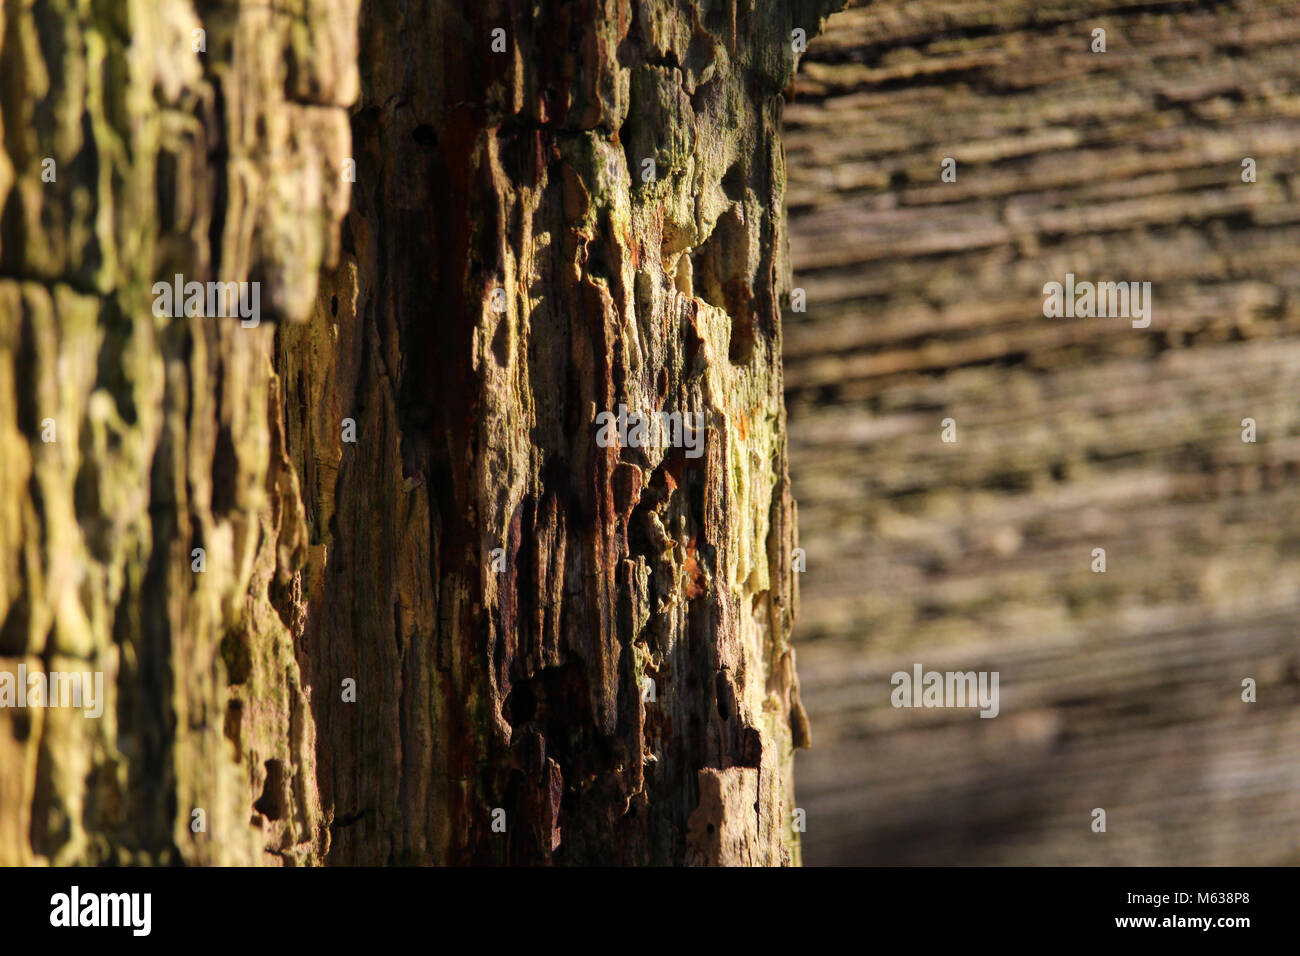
<point>166,159</point>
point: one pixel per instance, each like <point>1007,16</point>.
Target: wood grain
<point>1119,690</point>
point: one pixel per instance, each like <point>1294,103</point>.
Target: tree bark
<point>517,685</point>
<point>214,163</point>
<point>357,677</point>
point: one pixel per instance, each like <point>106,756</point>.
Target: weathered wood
<point>1119,690</point>
<point>520,689</point>
<point>331,559</point>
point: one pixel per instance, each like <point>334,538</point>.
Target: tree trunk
<point>438,621</point>
<point>213,163</point>
<point>586,645</point>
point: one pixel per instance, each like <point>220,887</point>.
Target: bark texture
<point>349,477</point>
<point>1119,690</point>
<point>517,685</point>
<point>215,163</point>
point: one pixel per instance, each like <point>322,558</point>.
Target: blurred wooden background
<point>1119,690</point>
